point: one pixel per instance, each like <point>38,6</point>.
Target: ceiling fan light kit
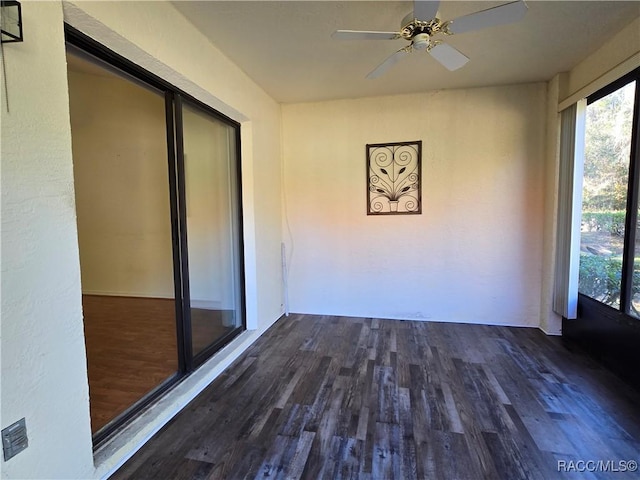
<point>421,41</point>
<point>420,26</point>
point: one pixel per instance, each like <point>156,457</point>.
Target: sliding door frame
<point>181,198</point>
<point>194,361</point>
<point>181,332</point>
<point>174,100</point>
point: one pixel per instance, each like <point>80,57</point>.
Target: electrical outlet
<point>14,439</point>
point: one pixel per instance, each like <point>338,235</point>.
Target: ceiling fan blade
<point>500,15</point>
<point>425,9</point>
<point>389,62</point>
<point>363,35</point>
<point>448,56</point>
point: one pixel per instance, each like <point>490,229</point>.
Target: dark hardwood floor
<point>330,397</point>
<point>131,348</point>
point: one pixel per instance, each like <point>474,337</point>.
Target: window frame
<point>633,185</point>
<point>611,334</point>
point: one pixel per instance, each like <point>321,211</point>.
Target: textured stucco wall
<point>473,255</point>
<point>43,359</point>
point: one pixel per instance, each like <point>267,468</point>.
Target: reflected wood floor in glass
<point>131,348</point>
<point>330,397</point>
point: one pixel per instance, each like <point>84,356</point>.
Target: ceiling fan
<point>422,27</point>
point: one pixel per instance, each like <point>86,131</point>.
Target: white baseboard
<point>204,304</point>
<point>552,333</point>
<point>207,304</point>
<point>127,294</point>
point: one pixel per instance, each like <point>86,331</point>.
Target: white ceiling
<point>286,46</point>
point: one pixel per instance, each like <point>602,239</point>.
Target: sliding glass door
<point>213,232</point>
<point>124,236</point>
<point>158,192</point>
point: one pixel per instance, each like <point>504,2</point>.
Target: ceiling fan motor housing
<point>411,28</point>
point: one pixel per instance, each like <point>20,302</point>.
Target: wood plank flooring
<point>131,348</point>
<point>321,397</point>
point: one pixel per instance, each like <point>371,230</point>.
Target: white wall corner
<point>616,57</point>
<point>554,331</point>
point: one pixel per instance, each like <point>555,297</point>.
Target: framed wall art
<point>394,178</point>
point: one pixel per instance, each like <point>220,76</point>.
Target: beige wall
<point>474,254</point>
<point>122,187</point>
<point>208,149</point>
<point>44,377</point>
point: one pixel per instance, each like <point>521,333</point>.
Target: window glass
<point>212,227</point>
<point>604,195</point>
<point>121,185</point>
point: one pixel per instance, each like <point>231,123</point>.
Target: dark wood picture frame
<point>394,173</point>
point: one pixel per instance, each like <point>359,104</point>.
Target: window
<point>609,271</point>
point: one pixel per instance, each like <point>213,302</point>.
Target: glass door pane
<point>604,195</point>
<point>213,234</point>
<point>124,234</point>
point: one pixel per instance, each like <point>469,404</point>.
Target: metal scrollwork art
<point>393,178</point>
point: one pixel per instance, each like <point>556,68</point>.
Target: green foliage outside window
<point>600,278</point>
<point>607,150</point>
<point>604,197</point>
<point>605,222</point>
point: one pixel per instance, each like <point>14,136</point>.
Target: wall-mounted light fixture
<point>11,20</point>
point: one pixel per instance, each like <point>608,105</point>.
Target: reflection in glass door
<point>124,235</point>
<point>213,232</point>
